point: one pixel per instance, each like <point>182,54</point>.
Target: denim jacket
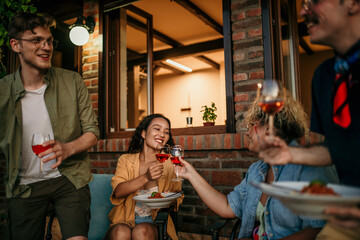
<point>279,220</point>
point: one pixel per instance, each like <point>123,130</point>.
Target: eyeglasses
<point>306,4</point>
<point>41,42</point>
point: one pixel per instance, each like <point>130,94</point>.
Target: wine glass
<point>36,144</point>
<point>176,152</point>
<point>163,155</point>
<point>271,100</point>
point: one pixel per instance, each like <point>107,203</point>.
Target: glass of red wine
<point>271,100</point>
<point>176,152</point>
<point>163,155</point>
<point>36,144</point>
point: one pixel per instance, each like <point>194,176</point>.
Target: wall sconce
<point>79,31</point>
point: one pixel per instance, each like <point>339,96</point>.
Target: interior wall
<point>308,64</point>
<point>190,90</point>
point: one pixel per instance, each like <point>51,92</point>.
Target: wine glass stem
<point>271,125</point>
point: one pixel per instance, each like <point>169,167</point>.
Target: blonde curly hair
<point>289,124</point>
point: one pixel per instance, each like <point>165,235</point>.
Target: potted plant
<point>209,115</point>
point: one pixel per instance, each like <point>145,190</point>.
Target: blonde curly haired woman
<point>264,217</point>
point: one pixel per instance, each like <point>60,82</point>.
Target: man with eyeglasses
<point>335,107</point>
<point>38,98</point>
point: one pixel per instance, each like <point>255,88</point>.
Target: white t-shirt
<point>35,119</point>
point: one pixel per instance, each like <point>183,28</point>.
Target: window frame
<point>108,5</point>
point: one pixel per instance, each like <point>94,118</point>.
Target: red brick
<point>208,142</point>
<point>190,142</point>
<point>237,141</point>
<point>247,154</point>
<point>254,12</point>
<point>246,87</point>
<point>241,97</point>
<point>87,83</point>
<point>94,97</point>
<point>94,82</point>
<point>223,155</point>
<point>237,16</point>
<point>246,141</point>
<point>257,75</point>
<point>122,145</point>
<point>86,53</point>
<point>91,59</point>
<point>196,154</point>
<point>182,141</point>
<point>95,66</point>
<point>101,144</point>
<point>256,54</point>
<point>100,164</point>
<point>238,36</point>
<point>87,75</point>
<point>239,56</point>
<point>240,76</point>
<point>95,104</point>
<point>237,164</point>
<point>86,67</point>
<point>127,143</point>
<point>206,164</point>
<point>205,174</point>
<point>225,178</point>
<point>199,142</point>
<point>218,141</point>
<point>255,32</point>
<point>108,144</point>
<point>227,141</point>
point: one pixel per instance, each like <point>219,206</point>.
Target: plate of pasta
<point>311,198</point>
<point>157,200</point>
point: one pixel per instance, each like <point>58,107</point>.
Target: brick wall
<point>220,158</point>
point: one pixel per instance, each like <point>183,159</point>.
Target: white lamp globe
<point>79,35</point>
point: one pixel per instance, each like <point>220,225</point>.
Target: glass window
<point>139,38</point>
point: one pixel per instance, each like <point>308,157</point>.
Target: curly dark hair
<point>137,142</point>
<point>24,21</point>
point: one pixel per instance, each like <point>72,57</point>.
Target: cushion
<point>101,206</point>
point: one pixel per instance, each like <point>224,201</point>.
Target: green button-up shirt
<point>71,114</point>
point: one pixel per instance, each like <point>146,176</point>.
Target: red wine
<point>37,149</point>
<point>271,107</point>
<point>161,157</point>
<point>175,160</point>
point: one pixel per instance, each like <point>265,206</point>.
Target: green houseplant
<point>209,115</point>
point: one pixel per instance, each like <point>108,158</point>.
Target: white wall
<point>172,93</point>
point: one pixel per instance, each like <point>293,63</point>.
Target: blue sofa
<point>100,189</point>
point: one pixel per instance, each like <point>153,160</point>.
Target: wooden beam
<point>305,46</point>
<point>158,35</point>
<point>193,49</point>
<point>209,61</point>
<point>200,14</point>
<point>175,70</point>
<point>166,39</point>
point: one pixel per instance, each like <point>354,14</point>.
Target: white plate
<point>154,203</point>
<point>309,204</point>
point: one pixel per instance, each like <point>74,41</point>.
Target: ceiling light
<point>79,31</point>
<point>179,65</point>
